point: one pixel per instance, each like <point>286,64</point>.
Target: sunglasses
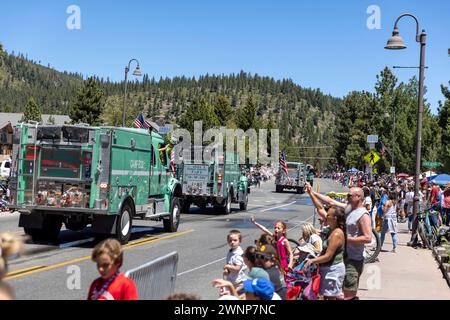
<point>262,257</point>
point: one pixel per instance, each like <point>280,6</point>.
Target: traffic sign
<point>164,130</point>
<point>372,157</point>
<point>431,164</point>
<point>372,139</point>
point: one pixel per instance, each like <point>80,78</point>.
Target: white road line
<point>299,223</point>
<point>200,267</point>
<point>285,205</point>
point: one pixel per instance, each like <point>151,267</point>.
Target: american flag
<point>140,122</point>
<point>172,163</point>
<point>283,162</point>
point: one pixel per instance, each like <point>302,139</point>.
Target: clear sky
<point>322,44</point>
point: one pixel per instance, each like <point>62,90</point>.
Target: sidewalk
<point>406,275</point>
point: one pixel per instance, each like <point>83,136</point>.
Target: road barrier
<point>155,280</point>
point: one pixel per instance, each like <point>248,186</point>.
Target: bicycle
<point>427,233</point>
<point>372,249</point>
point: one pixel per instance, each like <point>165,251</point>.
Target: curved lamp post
<point>137,72</point>
<point>396,43</point>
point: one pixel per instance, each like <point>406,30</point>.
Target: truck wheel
<point>35,234</point>
<point>186,206</point>
<point>243,205</point>
<point>227,207</point>
<point>51,226</point>
<point>171,224</point>
<point>124,224</point>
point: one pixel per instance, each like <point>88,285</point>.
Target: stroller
<point>302,285</point>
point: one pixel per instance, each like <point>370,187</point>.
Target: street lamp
<point>137,72</point>
<point>395,43</point>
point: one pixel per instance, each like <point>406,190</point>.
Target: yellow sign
<point>372,157</point>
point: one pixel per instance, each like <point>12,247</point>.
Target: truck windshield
<point>60,162</point>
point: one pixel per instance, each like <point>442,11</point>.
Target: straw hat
<point>447,185</point>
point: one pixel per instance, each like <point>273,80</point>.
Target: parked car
<point>5,167</point>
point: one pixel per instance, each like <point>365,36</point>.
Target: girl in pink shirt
<point>283,247</point>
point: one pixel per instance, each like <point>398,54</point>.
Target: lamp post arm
<point>129,63</point>
<point>417,24</point>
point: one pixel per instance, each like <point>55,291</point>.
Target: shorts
<point>353,271</point>
<point>332,279</point>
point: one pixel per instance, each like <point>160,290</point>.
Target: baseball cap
<point>262,288</point>
<point>308,248</point>
<point>258,273</point>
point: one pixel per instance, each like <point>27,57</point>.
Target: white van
<point>5,168</point>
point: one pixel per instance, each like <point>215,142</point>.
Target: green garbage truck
<point>82,175</point>
<point>213,180</point>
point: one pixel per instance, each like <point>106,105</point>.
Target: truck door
<point>163,169</point>
<point>154,172</point>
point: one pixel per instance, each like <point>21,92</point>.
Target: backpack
<point>376,195</point>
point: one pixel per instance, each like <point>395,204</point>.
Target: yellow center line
<point>23,270</point>
<point>15,275</point>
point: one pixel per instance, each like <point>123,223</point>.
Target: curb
<point>442,256</point>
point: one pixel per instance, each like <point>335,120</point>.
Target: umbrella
<point>441,179</point>
<point>402,175</point>
<point>353,170</point>
<point>429,173</point>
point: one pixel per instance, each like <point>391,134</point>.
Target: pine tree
<point>444,124</point>
<point>199,110</point>
<point>32,112</point>
<point>246,116</point>
<point>1,54</point>
<point>223,109</point>
<point>89,104</point>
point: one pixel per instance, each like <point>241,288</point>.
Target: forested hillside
<point>305,115</point>
<point>314,127</point>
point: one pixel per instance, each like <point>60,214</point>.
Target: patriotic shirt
<point>121,288</point>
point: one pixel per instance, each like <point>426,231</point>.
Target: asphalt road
<point>47,271</point>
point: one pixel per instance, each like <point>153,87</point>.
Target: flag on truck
<point>283,162</point>
<point>140,122</point>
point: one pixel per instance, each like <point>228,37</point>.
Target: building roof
<point>14,118</point>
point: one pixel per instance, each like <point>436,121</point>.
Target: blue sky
<point>322,44</point>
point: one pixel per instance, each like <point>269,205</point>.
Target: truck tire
<point>51,226</point>
<point>227,206</point>
<point>243,205</point>
<point>124,224</point>
<point>186,206</point>
<point>35,234</point>
<point>171,224</point>
<point>278,189</point>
